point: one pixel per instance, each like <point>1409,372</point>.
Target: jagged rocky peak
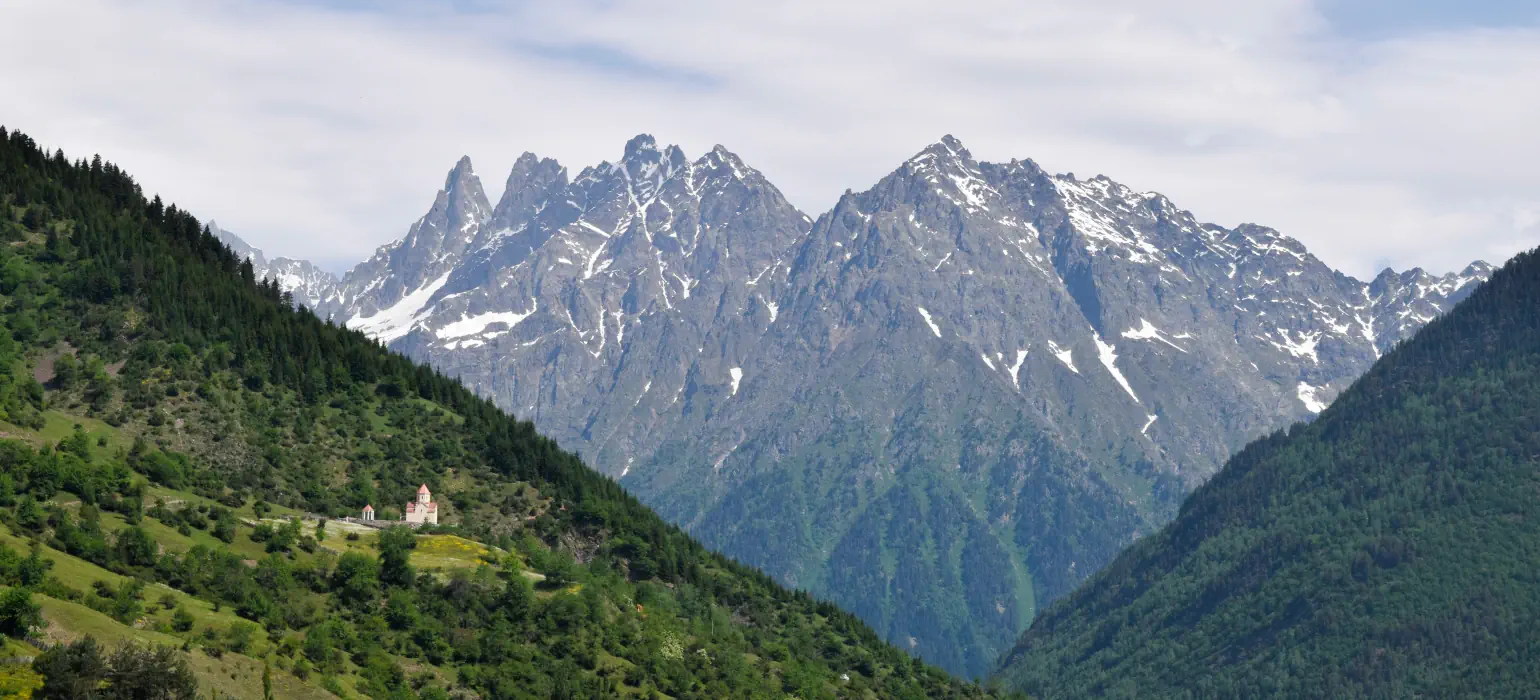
<point>468,205</point>
<point>1268,240</point>
<point>639,144</point>
<point>947,163</point>
<point>643,148</point>
<point>640,152</point>
<point>1479,269</point>
<point>457,212</point>
<point>451,223</point>
<point>378,294</point>
<point>533,173</point>
<point>1402,302</point>
<point>1390,280</point>
<point>462,177</point>
<point>724,163</point>
<point>647,167</point>
<point>921,192</point>
<point>1422,283</point>
<point>530,183</point>
<point>644,233</point>
<point>647,173</point>
<point>946,147</point>
<point>237,245</point>
<point>1417,285</point>
<point>720,154</point>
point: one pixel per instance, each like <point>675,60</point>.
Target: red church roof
<point>422,489</point>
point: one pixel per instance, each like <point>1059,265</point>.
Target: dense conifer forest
<point>178,442</point>
<point>1390,548</point>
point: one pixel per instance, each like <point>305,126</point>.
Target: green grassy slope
<point>233,674</point>
<point>1391,548</point>
<point>213,416</point>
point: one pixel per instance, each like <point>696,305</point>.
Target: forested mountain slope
<point>165,415</point>
<point>1390,548</point>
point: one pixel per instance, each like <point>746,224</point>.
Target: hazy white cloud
<point>323,132</point>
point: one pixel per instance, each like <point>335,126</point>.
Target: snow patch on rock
<point>1021,356</point>
<point>398,320</point>
<point>1148,331</point>
<point>1304,347</point>
<point>1064,356</point>
<point>476,324</point>
<point>933,327</point>
<point>1307,396</point>
<point>1109,357</point>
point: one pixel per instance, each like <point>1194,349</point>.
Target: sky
<point>1378,132</point>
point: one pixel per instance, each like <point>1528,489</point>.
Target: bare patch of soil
<point>43,372</point>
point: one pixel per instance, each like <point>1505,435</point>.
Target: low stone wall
<point>378,524</point>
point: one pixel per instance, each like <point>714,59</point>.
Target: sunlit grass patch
<point>449,551</point>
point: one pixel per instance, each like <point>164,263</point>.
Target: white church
<point>422,511</point>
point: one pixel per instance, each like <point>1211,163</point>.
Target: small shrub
<point>181,620</point>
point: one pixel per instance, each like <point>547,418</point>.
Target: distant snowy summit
<point>310,285</point>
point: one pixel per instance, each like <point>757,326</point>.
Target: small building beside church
<point>368,513</point>
<point>422,511</point>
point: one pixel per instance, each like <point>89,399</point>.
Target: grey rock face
<point>1406,301</point>
<point>380,295</point>
<point>942,404</point>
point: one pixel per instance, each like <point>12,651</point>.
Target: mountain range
<point>942,404</point>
